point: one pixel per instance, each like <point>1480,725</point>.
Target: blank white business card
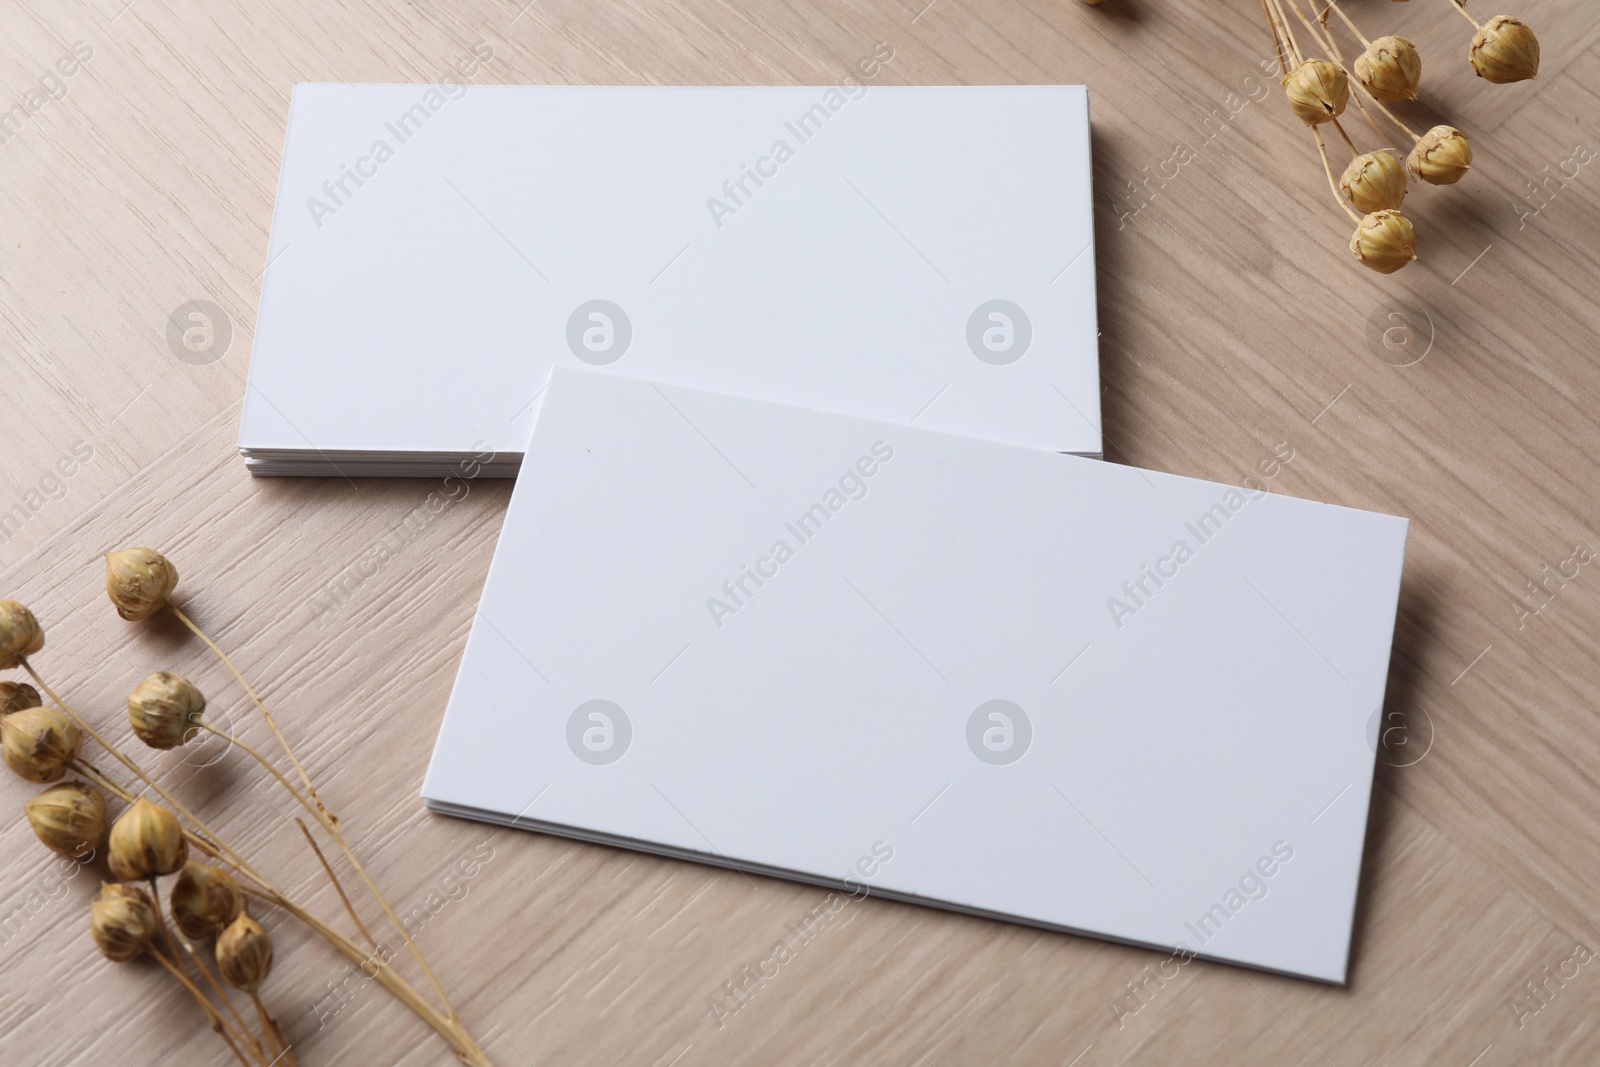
<point>920,255</point>
<point>1018,684</point>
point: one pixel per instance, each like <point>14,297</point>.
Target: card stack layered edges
<point>931,668</point>
<point>916,255</point>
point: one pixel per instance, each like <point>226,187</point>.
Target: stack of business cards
<point>929,667</point>
<point>917,255</point>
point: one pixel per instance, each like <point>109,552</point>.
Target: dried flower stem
<point>1288,33</point>
<point>1333,5</point>
<point>1352,145</point>
<point>265,714</point>
<point>273,1034</point>
<point>337,887</point>
<point>313,804</point>
<point>259,758</point>
<point>1328,169</point>
<point>1277,41</point>
<point>1461,7</point>
<point>217,1022</point>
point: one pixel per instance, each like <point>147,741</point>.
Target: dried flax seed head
<point>205,900</point>
<point>164,710</point>
<point>1374,181</point>
<point>244,954</point>
<point>1442,156</point>
<point>1384,241</point>
<point>1390,68</point>
<point>20,634</point>
<point>122,921</point>
<point>139,580</point>
<point>1504,50</point>
<point>69,818</point>
<point>146,841</point>
<point>38,743</point>
<point>14,696</point>
<point>1318,91</point>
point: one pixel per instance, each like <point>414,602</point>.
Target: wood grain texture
<point>1233,322</point>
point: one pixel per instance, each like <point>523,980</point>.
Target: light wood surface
<point>1233,321</point>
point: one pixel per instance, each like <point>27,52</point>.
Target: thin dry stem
<point>337,888</point>
<point>320,812</point>
<point>223,656</point>
<point>218,1023</point>
<point>1277,41</point>
<point>1333,5</point>
<point>274,1034</point>
<point>1352,145</point>
<point>1323,148</point>
<point>1461,7</point>
<point>1288,33</point>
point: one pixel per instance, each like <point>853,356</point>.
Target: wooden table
<point>1459,393</point>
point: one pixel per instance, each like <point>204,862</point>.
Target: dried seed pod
<point>164,710</point>
<point>123,921</point>
<point>205,900</point>
<point>1384,241</point>
<point>38,743</point>
<point>14,696</point>
<point>1318,91</point>
<point>1442,156</point>
<point>20,634</point>
<point>139,580</point>
<point>146,840</point>
<point>1374,181</point>
<point>1390,68</point>
<point>244,954</point>
<point>1505,50</point>
<point>69,818</point>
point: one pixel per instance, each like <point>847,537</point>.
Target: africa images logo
<point>999,332</point>
<point>599,332</point>
<point>599,732</point>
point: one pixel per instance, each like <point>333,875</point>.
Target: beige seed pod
<point>1374,181</point>
<point>1384,242</point>
<point>1442,156</point>
<point>14,696</point>
<point>164,710</point>
<point>139,580</point>
<point>146,840</point>
<point>205,900</point>
<point>38,743</point>
<point>1318,91</point>
<point>1505,50</point>
<point>244,954</point>
<point>1390,68</point>
<point>69,818</point>
<point>123,921</point>
<point>20,634</point>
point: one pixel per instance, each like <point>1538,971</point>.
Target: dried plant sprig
<point>128,582</point>
<point>195,833</point>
